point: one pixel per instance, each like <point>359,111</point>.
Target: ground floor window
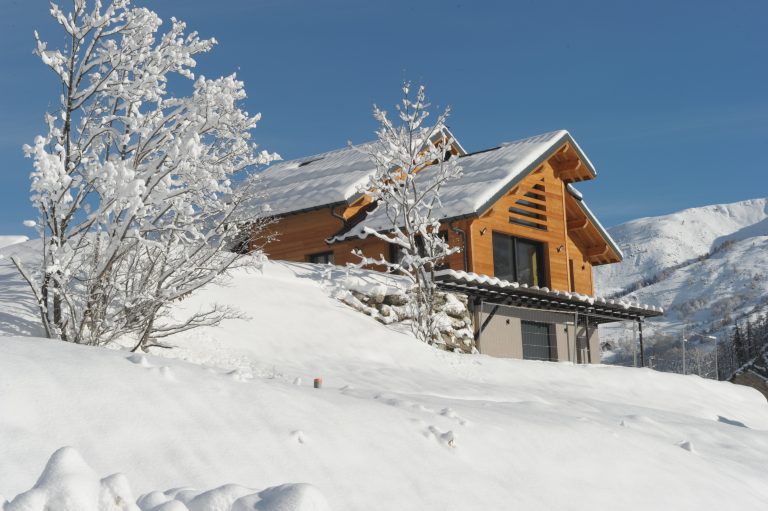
<point>321,258</point>
<point>538,341</point>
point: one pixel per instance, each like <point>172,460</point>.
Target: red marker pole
<point>318,383</point>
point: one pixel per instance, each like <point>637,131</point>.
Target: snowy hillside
<point>11,240</point>
<point>396,424</point>
<point>702,265</point>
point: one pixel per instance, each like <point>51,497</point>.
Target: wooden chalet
<point>529,242</point>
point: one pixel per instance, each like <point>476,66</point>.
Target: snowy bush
<point>134,185</point>
<point>69,484</point>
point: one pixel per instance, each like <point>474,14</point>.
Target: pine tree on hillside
<point>740,346</point>
<point>750,340</point>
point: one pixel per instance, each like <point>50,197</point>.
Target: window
<point>518,260</point>
<point>538,341</point>
<point>321,258</point>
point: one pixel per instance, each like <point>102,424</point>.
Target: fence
<point>714,360</point>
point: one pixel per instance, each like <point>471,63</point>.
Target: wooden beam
<point>532,200</point>
<point>596,251</point>
<point>578,224</point>
<point>524,218</point>
<point>568,165</point>
<point>529,209</point>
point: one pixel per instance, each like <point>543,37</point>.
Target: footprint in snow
<point>139,359</point>
<point>238,375</point>
<point>447,438</point>
<point>142,361</point>
<point>165,371</point>
<point>448,412</point>
<point>687,445</point>
<point>299,436</point>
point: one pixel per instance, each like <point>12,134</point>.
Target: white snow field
<point>233,421</point>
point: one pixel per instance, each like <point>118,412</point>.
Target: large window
<point>538,341</point>
<point>518,260</point>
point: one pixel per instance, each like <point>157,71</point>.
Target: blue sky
<point>668,99</point>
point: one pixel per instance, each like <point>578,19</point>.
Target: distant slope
<point>11,240</point>
<point>654,244</point>
<point>703,265</point>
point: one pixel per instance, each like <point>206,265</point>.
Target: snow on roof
<point>311,182</point>
<point>485,280</point>
<point>314,181</point>
<point>486,176</point>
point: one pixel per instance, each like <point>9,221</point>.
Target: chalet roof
<point>315,181</point>
<point>486,177</point>
<point>325,179</point>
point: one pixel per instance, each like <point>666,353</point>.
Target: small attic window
<point>304,163</point>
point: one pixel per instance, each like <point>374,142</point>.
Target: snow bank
<point>69,484</point>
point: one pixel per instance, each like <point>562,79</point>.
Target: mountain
<point>705,266</point>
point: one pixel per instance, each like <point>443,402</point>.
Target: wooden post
<point>642,353</point>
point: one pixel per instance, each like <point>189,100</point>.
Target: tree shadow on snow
<point>18,310</point>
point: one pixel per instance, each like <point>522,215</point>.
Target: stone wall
<point>391,306</point>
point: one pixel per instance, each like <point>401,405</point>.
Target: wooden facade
<point>538,208</point>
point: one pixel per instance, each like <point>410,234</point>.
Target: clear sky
<point>669,99</point>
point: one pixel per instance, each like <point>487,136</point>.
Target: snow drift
<point>69,484</point>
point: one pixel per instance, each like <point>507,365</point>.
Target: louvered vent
<point>530,207</point>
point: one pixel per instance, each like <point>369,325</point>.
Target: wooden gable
<point>540,208</point>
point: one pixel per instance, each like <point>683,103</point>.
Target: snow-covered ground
<point>396,424</point>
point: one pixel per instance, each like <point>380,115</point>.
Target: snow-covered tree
<point>134,185</point>
<point>413,161</point>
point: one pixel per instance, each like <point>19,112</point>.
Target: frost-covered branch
<point>138,189</point>
<point>413,161</point>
